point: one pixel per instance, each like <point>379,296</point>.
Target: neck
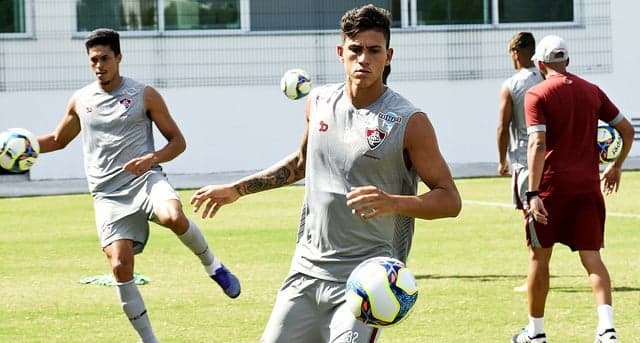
<point>111,85</point>
<point>363,97</point>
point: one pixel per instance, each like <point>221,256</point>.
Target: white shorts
<point>311,310</point>
<point>125,214</point>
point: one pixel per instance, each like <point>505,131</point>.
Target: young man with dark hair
<point>512,128</point>
<point>363,151</point>
<point>115,115</point>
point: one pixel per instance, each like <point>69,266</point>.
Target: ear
<point>340,52</point>
<point>566,64</point>
<point>119,58</point>
<point>389,56</point>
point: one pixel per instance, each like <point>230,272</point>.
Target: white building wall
<point>250,127</point>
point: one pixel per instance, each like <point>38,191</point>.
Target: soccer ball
<point>295,84</point>
<point>381,291</point>
<point>18,150</point>
<point>609,143</point>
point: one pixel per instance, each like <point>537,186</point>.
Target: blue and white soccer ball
<point>381,291</point>
<point>295,84</point>
<point>609,143</point>
<point>19,150</point>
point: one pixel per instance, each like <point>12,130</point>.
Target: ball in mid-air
<point>295,84</point>
<point>609,143</point>
<point>381,291</point>
<point>19,150</point>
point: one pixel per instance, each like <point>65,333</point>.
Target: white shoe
<point>523,337</point>
<point>608,336</point>
<point>521,288</point>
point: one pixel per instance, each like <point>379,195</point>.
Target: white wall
<point>248,128</point>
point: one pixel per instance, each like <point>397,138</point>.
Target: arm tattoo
<point>271,179</point>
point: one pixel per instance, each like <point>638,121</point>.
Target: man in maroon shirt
<point>565,200</point>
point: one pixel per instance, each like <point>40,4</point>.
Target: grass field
<point>466,269</point>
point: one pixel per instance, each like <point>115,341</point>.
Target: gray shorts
<point>310,310</point>
<point>125,214</point>
<point>519,186</point>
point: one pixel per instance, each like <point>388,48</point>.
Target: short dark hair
<point>523,41</point>
<point>368,17</point>
<point>103,36</point>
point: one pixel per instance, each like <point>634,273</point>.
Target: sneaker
<point>523,337</point>
<point>227,281</point>
<point>608,336</point>
<point>521,289</point>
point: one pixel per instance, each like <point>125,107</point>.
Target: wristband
<point>530,194</point>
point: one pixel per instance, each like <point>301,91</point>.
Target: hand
<point>537,210</point>
<point>140,165</point>
<point>503,168</point>
<point>369,202</point>
<point>611,179</point>
<point>213,197</point>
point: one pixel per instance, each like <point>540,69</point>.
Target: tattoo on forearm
<point>275,179</point>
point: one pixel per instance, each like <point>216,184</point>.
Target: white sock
<point>133,307</point>
<point>195,241</point>
<point>605,317</point>
<point>536,326</point>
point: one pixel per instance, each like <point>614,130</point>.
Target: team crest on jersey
<point>126,102</point>
<point>382,125</point>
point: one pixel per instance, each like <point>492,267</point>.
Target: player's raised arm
<point>65,132</point>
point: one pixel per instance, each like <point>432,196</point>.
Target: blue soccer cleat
<point>227,281</point>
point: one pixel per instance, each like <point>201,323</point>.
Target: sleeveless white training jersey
<point>349,147</point>
<point>115,129</point>
<point>518,85</point>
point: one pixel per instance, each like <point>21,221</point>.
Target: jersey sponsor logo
<point>323,126</point>
<point>381,128</point>
<point>390,117</point>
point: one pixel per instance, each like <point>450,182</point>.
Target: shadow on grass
<point>587,289</point>
<point>497,277</point>
<point>482,278</point>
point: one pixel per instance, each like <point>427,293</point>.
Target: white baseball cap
<point>551,49</point>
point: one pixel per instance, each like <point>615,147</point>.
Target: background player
<point>512,128</point>
<point>565,199</point>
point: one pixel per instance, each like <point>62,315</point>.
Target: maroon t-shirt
<point>569,107</point>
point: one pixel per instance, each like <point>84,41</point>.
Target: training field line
<point>506,205</point>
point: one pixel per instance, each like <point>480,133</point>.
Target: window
<point>143,15</point>
<point>518,11</point>
<point>202,15</point>
<point>455,12</point>
<point>12,16</point>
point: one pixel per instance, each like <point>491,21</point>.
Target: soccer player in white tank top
<point>512,128</point>
<point>115,116</point>
<point>362,162</point>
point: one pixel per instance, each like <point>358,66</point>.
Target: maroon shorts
<point>576,221</point>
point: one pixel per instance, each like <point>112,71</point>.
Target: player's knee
<point>122,268</point>
<point>174,219</point>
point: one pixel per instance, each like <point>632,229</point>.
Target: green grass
<point>466,269</point>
